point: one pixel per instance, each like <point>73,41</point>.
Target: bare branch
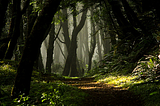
<point>57,33</point>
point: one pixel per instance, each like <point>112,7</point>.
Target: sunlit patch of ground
<point>121,81</point>
<point>89,87</point>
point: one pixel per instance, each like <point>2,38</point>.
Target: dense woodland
<point>79,38</point>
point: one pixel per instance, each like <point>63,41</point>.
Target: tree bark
<point>73,67</point>
<point>140,42</point>
<point>92,46</point>
<point>40,63</point>
<point>85,47</point>
<point>125,26</point>
<point>99,48</point>
<point>73,44</point>
<point>15,27</point>
<point>31,17</point>
<point>32,46</point>
<point>50,49</point>
<point>65,29</point>
<point>3,8</point>
<point>15,31</point>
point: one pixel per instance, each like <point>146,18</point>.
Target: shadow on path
<point>101,94</point>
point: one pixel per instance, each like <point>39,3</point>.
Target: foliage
<point>113,63</point>
<point>22,100</point>
<point>147,90</point>
<point>149,93</point>
<point>37,6</point>
<point>7,74</point>
<point>55,93</point>
<point>148,68</point>
<point>51,98</point>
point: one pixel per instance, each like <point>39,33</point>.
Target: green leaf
<point>151,61</point>
<point>153,93</point>
<point>44,100</point>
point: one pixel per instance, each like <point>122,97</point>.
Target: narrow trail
<point>101,94</point>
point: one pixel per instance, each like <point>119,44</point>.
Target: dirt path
<point>101,94</point>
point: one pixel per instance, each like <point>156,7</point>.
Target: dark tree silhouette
<point>32,46</point>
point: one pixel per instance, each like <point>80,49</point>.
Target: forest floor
<point>103,94</point>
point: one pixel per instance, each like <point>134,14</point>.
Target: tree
<point>73,45</point>
<point>32,46</point>
<point>52,37</point>
<point>99,47</point>
<point>93,42</point>
<point>3,8</point>
<point>85,45</point>
<point>135,35</point>
<point>15,26</point>
<point>50,49</point>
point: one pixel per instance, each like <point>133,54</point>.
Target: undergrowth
<point>54,93</point>
<point>148,92</point>
<point>143,80</point>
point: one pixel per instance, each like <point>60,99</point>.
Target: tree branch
<point>60,40</point>
<point>61,50</point>
<point>57,33</point>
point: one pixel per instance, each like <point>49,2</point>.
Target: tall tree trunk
<point>31,17</point>
<point>74,71</point>
<point>19,47</point>
<point>99,48</point>
<point>85,47</point>
<point>3,42</point>
<point>32,46</point>
<point>15,26</point>
<point>104,42</point>
<point>65,29</point>
<point>92,45</point>
<point>73,44</point>
<point>15,31</point>
<point>73,67</point>
<point>125,26</point>
<point>110,27</point>
<point>3,8</point>
<point>128,28</point>
<point>50,49</point>
<point>40,63</point>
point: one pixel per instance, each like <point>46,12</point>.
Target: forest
<point>79,53</point>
